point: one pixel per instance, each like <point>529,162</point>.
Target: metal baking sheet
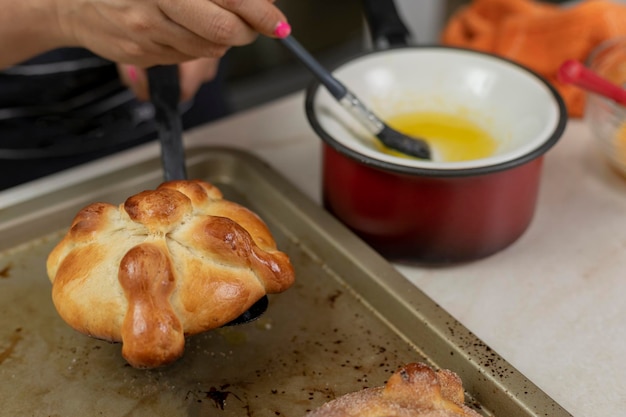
<point>349,321</point>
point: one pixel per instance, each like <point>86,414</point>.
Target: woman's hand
<point>150,32</point>
<point>192,75</point>
<point>137,32</point>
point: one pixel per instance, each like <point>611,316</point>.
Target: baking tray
<point>349,321</point>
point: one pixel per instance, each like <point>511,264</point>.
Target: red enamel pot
<point>437,211</point>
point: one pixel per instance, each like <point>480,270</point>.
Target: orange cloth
<point>538,35</point>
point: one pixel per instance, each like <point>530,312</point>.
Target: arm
<point>27,28</point>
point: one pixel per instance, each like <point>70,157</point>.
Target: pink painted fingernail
<point>283,29</point>
<point>132,74</point>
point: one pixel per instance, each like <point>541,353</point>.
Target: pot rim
<point>550,141</point>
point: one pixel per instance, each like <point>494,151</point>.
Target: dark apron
<point>68,107</point>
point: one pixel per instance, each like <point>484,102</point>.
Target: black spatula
<point>165,94</point>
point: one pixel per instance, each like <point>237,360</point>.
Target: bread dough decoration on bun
<point>167,263</point>
<point>415,390</point>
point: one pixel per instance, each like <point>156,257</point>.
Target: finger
<point>210,21</point>
<point>261,15</point>
<point>145,58</point>
<point>195,73</point>
<point>165,42</point>
<point>182,46</point>
<point>135,79</point>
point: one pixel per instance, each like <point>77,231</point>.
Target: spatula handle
<point>165,93</point>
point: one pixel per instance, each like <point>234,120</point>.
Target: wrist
<point>29,27</point>
<point>57,15</point>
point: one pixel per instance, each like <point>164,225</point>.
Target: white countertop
<point>552,304</point>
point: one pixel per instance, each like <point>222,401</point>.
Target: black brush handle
<point>336,88</point>
<point>165,94</point>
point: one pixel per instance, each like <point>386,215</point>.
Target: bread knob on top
<point>167,263</point>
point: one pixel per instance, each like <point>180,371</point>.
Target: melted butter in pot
<point>452,137</point>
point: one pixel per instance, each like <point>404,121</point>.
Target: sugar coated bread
<point>415,390</point>
<point>167,263</point>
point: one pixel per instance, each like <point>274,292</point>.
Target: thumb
<point>135,79</point>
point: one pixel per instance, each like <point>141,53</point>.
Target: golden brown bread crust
<point>170,262</point>
<point>415,390</point>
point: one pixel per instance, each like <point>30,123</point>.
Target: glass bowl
<point>606,118</point>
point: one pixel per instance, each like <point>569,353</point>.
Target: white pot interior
<point>515,106</point>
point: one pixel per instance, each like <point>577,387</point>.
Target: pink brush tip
<point>283,29</point>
